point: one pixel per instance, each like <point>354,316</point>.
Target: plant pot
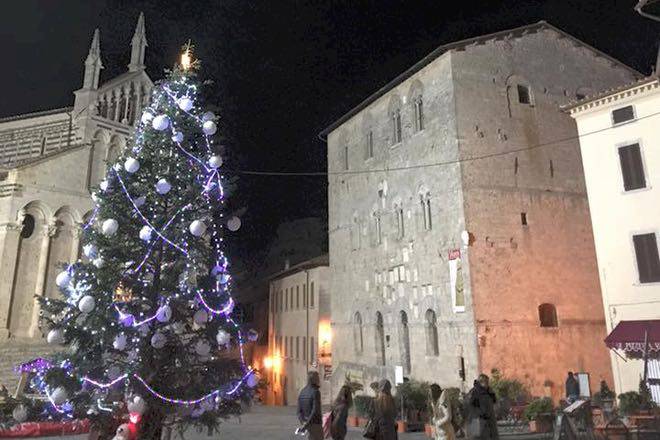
<point>353,421</point>
<point>401,426</point>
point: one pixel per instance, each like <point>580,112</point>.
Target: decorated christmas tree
<point>145,317</point>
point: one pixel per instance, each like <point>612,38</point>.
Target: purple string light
<point>225,310</point>
<point>105,385</point>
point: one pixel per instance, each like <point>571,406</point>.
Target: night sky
<point>282,69</point>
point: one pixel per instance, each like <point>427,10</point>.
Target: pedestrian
<point>572,388</point>
<point>385,412</point>
<point>339,413</point>
<point>482,423</point>
<point>441,413</point>
<point>309,407</point>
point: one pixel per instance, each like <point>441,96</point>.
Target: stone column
<point>76,233</point>
<point>49,231</point>
<point>10,239</point>
<point>127,101</point>
<point>138,105</point>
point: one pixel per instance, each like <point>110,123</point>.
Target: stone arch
<point>368,135</point>
<point>28,260</point>
<point>424,203</point>
<point>99,150</point>
<point>61,247</point>
<point>416,102</point>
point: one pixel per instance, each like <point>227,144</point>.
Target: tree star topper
<point>187,60</point>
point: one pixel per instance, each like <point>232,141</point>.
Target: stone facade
<point>299,336</point>
<point>458,217</point>
<point>49,163</point>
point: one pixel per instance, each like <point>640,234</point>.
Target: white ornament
<point>202,348</point>
<point>163,186</point>
<point>136,405</point>
<point>223,278</point>
<point>200,317</point>
<point>104,185</point>
<point>109,227</point>
<point>114,372</point>
<point>120,342</point>
<point>185,103</point>
<point>177,137</point>
<point>98,262</point>
<point>208,116</point>
<point>55,337</point>
<point>95,197</point>
<point>222,337</point>
<point>59,396</point>
<point>234,224</point>
<point>161,122</point>
<point>209,128</point>
<point>140,201</point>
<point>20,413</point>
<point>63,279</point>
<point>90,251</point>
<point>252,380</point>
<point>164,313</point>
<point>197,228</point>
<point>146,117</point>
<point>86,304</point>
<point>158,340</point>
<point>215,162</point>
<point>145,233</point>
<point>131,165</point>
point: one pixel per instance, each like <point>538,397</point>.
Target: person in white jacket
<point>441,414</point>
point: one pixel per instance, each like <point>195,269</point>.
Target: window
<point>548,315</point>
<point>357,333</point>
<point>425,204</point>
<point>523,218</point>
<point>396,127</point>
<point>623,114</point>
<point>378,230</point>
<point>646,253</point>
<point>311,295</point>
<point>304,348</point>
<point>297,347</point>
<point>632,167</point>
<point>28,226</point>
<point>400,225</point>
<point>404,340</point>
<point>524,96</point>
<point>297,297</point>
<point>286,299</point>
<point>380,339</point>
<point>345,158</point>
<point>312,349</point>
<point>419,114</point>
<point>432,348</point>
<point>304,295</point>
<point>369,148</point>
<point>580,96</point>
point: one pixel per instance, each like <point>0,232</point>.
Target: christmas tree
<point>146,315</point>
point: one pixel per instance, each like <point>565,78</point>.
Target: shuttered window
<point>623,114</point>
<point>632,167</point>
<point>646,252</point>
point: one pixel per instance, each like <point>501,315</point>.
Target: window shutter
<point>648,262</point>
<point>632,167</point>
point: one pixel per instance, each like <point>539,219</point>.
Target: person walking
<point>482,423</point>
<point>441,414</point>
<point>385,412</point>
<point>309,407</point>
<point>572,388</point>
<point>339,413</point>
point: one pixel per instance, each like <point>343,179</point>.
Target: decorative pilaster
<point>76,233</point>
<point>10,238</point>
<point>49,232</point>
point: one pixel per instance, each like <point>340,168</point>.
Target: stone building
<point>49,163</point>
<point>619,141</point>
<point>460,238</point>
<point>299,336</point>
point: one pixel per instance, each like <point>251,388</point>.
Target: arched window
<point>548,315</point>
<point>28,226</point>
<point>378,228</point>
<point>399,220</point>
<point>404,340</point>
<point>380,340</point>
<point>357,333</point>
<point>425,206</point>
<point>419,114</point>
<point>394,113</point>
<point>355,232</point>
<point>432,348</point>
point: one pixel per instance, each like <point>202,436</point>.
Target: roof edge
<point>436,53</point>
<point>591,101</point>
<point>36,114</point>
<point>321,260</point>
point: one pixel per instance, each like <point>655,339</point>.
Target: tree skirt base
<point>46,429</point>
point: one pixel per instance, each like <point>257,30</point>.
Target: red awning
<point>628,336</point>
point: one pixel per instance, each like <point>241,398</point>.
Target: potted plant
<point>511,395</point>
<point>412,400</point>
<point>637,406</point>
<point>603,400</point>
<point>539,415</point>
<point>363,405</point>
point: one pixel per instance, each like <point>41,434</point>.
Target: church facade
<point>49,163</point>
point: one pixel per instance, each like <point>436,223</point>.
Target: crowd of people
<point>480,422</point>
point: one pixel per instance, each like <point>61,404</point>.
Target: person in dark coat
<point>339,413</point>
<point>385,412</point>
<point>482,423</point>
<point>309,407</point>
<point>572,388</point>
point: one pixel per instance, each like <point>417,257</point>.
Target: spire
<point>93,64</point>
<point>138,46</point>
